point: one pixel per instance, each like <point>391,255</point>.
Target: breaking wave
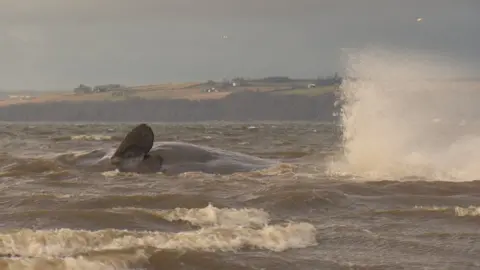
<point>220,229</point>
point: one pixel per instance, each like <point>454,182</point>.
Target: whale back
<point>135,154</point>
<point>178,157</point>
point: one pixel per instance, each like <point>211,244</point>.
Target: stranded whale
<point>138,153</point>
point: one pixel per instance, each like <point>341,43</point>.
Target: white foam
<point>111,173</point>
<point>210,216</point>
<point>91,137</point>
<point>473,211</point>
<point>459,211</point>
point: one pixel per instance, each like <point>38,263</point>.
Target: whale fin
<point>137,143</point>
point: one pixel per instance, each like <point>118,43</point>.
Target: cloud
<point>127,10</point>
<point>53,43</point>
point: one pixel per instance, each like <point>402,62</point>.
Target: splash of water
<point>407,114</point>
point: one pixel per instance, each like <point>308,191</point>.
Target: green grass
<point>319,90</point>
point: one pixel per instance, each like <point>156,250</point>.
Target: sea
<point>391,185</point>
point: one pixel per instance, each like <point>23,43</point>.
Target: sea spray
<point>408,114</point>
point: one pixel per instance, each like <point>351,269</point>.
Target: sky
<point>54,44</point>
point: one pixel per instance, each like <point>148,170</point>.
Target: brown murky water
<point>64,207</point>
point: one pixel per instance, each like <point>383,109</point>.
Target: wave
<point>458,211</point>
<point>87,137</point>
<point>45,164</point>
<point>208,216</point>
<point>220,229</point>
<point>281,169</point>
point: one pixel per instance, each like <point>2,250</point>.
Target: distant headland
<point>239,99</point>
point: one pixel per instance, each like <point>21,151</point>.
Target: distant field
<point>192,91</point>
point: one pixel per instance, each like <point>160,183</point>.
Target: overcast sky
<point>54,44</point>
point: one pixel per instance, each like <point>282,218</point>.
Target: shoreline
<point>188,91</point>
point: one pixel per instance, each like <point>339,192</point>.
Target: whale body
<point>138,153</point>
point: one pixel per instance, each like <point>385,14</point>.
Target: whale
<point>138,153</point>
